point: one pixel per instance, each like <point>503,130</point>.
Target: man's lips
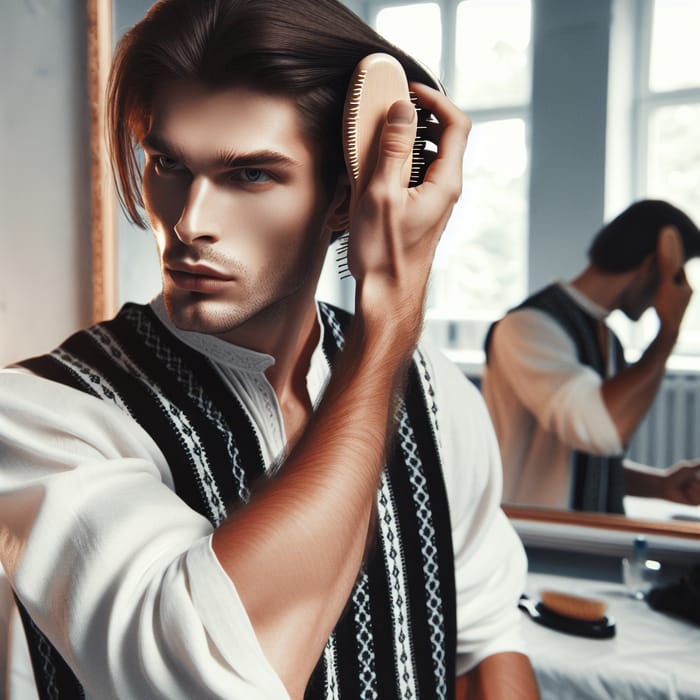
<point>197,278</point>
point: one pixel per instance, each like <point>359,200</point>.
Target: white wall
<point>44,152</point>
<point>568,135</point>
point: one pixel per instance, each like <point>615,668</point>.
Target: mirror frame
<point>105,273</point>
<point>606,521</point>
<point>103,228</point>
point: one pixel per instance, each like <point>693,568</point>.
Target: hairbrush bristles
<point>378,81</point>
<point>417,157</point>
<point>341,255</point>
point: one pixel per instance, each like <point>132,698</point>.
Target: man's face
<point>232,192</point>
<point>641,293</point>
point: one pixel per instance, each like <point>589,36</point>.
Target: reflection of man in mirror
<point>235,491</point>
<point>564,402</point>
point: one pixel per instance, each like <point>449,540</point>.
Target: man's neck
<point>602,288</point>
<point>289,331</point>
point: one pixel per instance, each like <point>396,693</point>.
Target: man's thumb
<point>396,143</point>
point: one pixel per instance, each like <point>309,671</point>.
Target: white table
<point>653,656</point>
<point>658,509</point>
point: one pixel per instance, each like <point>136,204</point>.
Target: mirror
<point>124,262</point>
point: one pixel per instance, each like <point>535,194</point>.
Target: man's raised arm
<point>629,394</point>
<point>295,550</point>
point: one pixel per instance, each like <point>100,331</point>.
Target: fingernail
<point>401,112</point>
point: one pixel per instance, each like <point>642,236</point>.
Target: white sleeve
<point>490,562</point>
<point>113,567</point>
<point>538,361</point>
<point>6,608</point>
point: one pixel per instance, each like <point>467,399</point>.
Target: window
<point>667,116</point>
<point>416,29</point>
<point>480,265</point>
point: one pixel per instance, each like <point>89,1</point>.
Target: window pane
<point>492,53</point>
<point>675,45</point>
<point>674,156</point>
<point>416,29</point>
<point>479,268</point>
<point>673,173</point>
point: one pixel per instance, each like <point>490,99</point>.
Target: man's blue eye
<point>254,175</point>
<point>167,164</point>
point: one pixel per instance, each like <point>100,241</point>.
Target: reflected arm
<point>629,394</point>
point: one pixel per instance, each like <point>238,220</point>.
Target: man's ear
<point>338,217</point>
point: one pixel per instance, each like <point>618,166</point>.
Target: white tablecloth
<point>659,509</point>
<point>653,656</point>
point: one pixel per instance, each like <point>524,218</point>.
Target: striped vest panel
<point>397,635</point>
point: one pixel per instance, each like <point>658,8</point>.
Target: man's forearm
<point>630,393</point>
<point>294,552</point>
<point>642,480</point>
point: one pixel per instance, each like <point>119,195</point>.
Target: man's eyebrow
<point>231,159</point>
<point>224,158</point>
<point>155,142</point>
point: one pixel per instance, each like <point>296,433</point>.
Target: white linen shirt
<point>119,572</point>
<point>544,404</point>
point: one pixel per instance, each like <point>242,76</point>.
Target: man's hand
<point>682,483</point>
<point>679,483</point>
<point>395,229</point>
<point>630,393</point>
<point>674,292</point>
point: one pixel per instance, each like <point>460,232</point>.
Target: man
<point>236,492</point>
<point>563,401</point>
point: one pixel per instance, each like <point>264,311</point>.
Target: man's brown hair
<point>304,49</point>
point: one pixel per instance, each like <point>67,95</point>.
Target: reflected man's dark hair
<point>622,244</point>
<point>304,49</point>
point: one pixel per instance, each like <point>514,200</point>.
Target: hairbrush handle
<point>670,251</point>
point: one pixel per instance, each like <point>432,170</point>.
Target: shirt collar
<point>214,348</point>
<point>237,357</point>
<point>596,310</point>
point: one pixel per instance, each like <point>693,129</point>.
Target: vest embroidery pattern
<point>397,636</point>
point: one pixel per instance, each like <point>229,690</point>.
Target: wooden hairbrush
<point>671,249</point>
<point>574,606</point>
<point>377,82</point>
<point>583,617</point>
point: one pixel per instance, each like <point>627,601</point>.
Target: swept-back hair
<point>623,243</point>
<point>304,49</point>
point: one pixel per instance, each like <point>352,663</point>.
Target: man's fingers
<point>450,135</point>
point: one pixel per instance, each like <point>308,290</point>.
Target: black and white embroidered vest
<point>397,635</point>
<point>597,481</point>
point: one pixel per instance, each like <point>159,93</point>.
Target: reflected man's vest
<point>597,481</point>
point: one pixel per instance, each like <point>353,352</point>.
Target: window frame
<point>638,15</point>
<point>447,332</point>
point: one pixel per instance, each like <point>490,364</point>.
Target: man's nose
<point>200,217</point>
